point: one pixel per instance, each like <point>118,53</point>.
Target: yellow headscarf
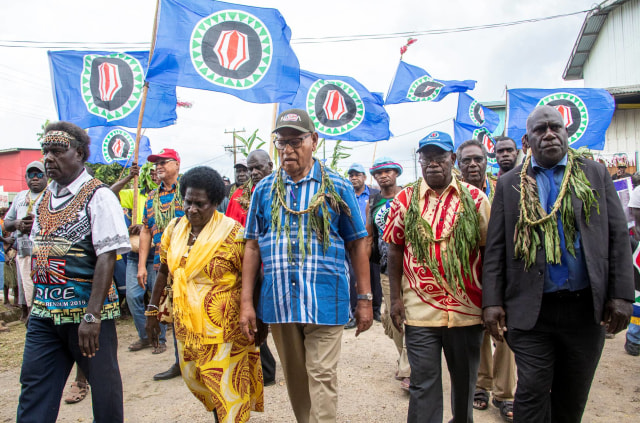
<point>187,304</point>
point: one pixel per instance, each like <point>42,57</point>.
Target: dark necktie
<point>559,273</point>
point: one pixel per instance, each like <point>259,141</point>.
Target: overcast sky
<point>531,55</point>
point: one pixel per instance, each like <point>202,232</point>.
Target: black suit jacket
<point>605,243</point>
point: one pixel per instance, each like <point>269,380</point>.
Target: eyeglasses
<point>293,142</point>
<point>38,175</point>
<point>467,160</point>
<point>164,162</point>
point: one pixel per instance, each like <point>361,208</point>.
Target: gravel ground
<point>368,391</point>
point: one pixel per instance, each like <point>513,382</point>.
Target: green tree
<point>108,174</point>
<point>340,152</point>
<point>41,133</point>
<point>251,143</point>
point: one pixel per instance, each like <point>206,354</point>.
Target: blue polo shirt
<point>363,199</point>
<point>314,289</point>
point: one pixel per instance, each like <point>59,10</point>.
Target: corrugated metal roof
<point>630,89</point>
<point>586,39</point>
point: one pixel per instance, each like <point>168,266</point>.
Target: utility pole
<point>233,148</point>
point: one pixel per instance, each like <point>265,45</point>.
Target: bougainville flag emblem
<point>471,112</point>
<point>232,48</point>
<point>586,112</point>
<point>412,84</point>
<point>573,110</point>
<point>102,88</point>
<point>115,145</point>
<point>334,106</point>
<point>111,85</point>
<point>341,108</point>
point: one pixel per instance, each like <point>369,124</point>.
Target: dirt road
<point>368,392</point>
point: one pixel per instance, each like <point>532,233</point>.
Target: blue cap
<point>385,163</point>
<point>439,139</point>
<point>356,167</point>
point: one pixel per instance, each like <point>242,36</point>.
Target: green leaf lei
<point>533,216</point>
<point>318,210</point>
<point>462,238</point>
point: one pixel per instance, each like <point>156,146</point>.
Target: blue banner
<point>101,88</point>
<point>341,108</point>
<point>462,133</point>
<point>412,83</point>
<point>587,113</point>
<point>239,50</point>
<point>116,145</point>
<point>471,112</point>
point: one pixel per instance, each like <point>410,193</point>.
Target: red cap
<point>165,153</point>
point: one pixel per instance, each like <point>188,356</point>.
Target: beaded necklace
<point>50,220</point>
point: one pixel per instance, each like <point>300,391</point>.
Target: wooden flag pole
<point>272,154</point>
<point>136,151</point>
<point>373,159</point>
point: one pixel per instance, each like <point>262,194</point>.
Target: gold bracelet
<point>150,313</point>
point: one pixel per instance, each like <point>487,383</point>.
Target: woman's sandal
<point>77,393</point>
<point>480,399</point>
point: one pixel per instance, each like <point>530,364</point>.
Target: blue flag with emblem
<point>412,83</point>
<point>462,133</point>
<point>111,144</point>
<point>586,112</point>
<point>341,108</point>
<point>101,88</point>
<point>239,50</point>
<point>471,112</point>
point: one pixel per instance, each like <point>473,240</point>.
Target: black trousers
<point>556,360</point>
<point>268,363</point>
<point>461,348</point>
<point>49,353</point>
<point>376,288</point>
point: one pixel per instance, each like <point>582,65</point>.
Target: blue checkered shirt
<point>316,289</point>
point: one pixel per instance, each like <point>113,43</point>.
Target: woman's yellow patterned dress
<point>225,374</point>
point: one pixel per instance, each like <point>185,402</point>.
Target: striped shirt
<point>426,301</point>
<point>316,289</point>
<point>149,220</point>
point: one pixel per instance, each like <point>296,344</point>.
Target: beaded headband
<point>57,139</point>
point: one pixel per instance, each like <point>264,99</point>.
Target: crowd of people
<point>516,278</point>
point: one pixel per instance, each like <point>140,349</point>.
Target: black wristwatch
<point>90,318</point>
<point>368,296</point>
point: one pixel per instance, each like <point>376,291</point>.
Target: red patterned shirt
<point>428,302</point>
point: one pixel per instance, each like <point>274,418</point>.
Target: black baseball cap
<point>296,119</point>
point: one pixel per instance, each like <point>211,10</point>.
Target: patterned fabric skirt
<point>225,377</point>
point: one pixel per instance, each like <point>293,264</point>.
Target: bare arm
<point>359,254</point>
<point>250,268</point>
<point>89,333</point>
<point>143,254</point>
<point>118,185</point>
<point>152,326</point>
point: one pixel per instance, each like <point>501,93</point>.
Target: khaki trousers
<point>24,270</point>
<point>497,371</point>
<point>309,356</point>
<point>404,369</point>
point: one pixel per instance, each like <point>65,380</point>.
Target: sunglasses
<point>38,175</point>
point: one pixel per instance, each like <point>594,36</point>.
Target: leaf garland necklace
<point>245,198</point>
<point>462,237</point>
<point>318,211</point>
<point>532,215</point>
<point>162,218</point>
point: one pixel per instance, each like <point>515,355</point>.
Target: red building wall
<point>13,165</point>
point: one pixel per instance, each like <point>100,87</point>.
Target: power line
<point>302,40</point>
